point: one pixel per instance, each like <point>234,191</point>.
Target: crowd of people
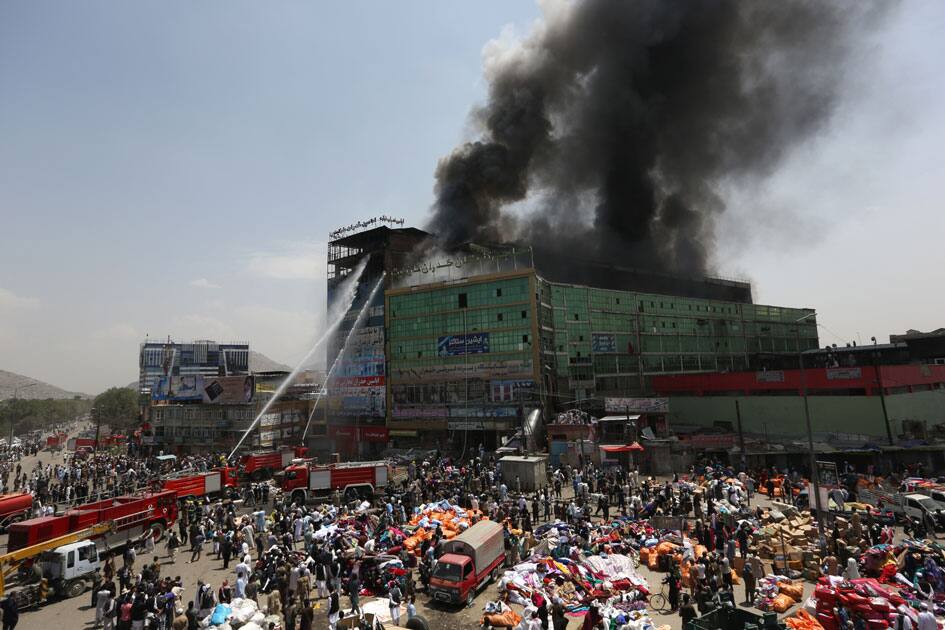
<point>295,560</point>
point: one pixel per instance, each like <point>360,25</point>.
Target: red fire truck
<point>355,479</point>
<point>56,441</point>
<point>261,465</point>
<point>132,516</point>
<point>77,443</point>
<point>187,485</point>
<point>15,507</point>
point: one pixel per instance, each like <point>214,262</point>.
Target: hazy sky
<point>174,168</point>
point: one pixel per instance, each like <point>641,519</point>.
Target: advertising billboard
<point>178,388</point>
<point>222,390</point>
<point>458,345</point>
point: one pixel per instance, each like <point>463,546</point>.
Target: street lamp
<point>810,433</point>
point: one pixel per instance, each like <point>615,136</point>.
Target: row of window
<point>493,341</point>
<point>460,297</point>
<point>583,298</point>
<point>457,322</point>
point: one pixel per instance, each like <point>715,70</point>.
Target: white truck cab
<point>70,568</point>
<point>919,505</point>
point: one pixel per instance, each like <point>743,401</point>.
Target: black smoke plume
<point>618,122</point>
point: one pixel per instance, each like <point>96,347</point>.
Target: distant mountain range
<point>27,387</point>
<point>258,362</point>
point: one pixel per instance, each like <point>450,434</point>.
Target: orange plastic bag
<point>508,619</point>
<point>781,603</point>
<point>665,547</point>
<point>794,591</point>
<point>803,621</point>
<point>644,555</point>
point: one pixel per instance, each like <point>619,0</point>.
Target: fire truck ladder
<point>9,562</point>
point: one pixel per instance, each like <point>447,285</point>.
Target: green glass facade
<point>477,353</point>
<point>463,355</point>
<point>607,343</point>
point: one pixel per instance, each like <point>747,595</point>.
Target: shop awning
<point>622,448</point>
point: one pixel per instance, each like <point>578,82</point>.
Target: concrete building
<point>355,414</point>
<point>853,397</point>
<point>478,339</point>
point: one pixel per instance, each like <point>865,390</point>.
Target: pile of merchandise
<point>866,601</point>
<point>601,574</point>
<point>240,613</point>
<point>777,593</point>
<point>450,518</point>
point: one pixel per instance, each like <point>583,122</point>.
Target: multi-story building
<point>157,359</point>
<point>356,401</point>
<point>476,341</point>
<point>186,422</point>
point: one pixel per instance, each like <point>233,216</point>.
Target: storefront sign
<point>458,345</point>
<point>769,376</point>
<point>603,342</point>
<point>636,405</point>
<point>844,374</point>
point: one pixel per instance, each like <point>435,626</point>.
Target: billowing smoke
<point>616,123</point>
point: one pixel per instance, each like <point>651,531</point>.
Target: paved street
<point>78,613</point>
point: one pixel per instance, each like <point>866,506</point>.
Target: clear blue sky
<point>175,167</point>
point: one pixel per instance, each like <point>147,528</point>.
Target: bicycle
<point>659,601</point>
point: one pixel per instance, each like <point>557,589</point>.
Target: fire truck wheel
<point>298,497</point>
<point>74,588</point>
<point>417,622</point>
<point>157,531</point>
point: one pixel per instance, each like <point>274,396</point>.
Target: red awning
<point>625,448</point>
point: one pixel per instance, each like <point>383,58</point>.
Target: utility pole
<point>741,434</point>
<point>810,434</point>
<point>98,425</point>
<point>877,371</point>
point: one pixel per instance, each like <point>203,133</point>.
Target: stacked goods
<point>451,519</point>
<point>778,593</point>
<point>864,600</point>
<point>789,541</point>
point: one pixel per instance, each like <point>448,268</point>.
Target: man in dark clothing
<point>558,619</point>
<point>306,616</point>
<point>354,590</point>
<point>334,607</point>
<point>11,613</point>
<point>687,612</point>
<point>191,614</point>
<point>226,551</point>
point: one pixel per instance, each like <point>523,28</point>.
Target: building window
<point>524,338</point>
<point>618,300</point>
<point>524,314</point>
<point>462,300</point>
<point>498,292</point>
<point>499,317</point>
<point>577,317</point>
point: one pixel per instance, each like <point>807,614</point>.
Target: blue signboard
<point>603,343</point>
<point>458,345</point>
